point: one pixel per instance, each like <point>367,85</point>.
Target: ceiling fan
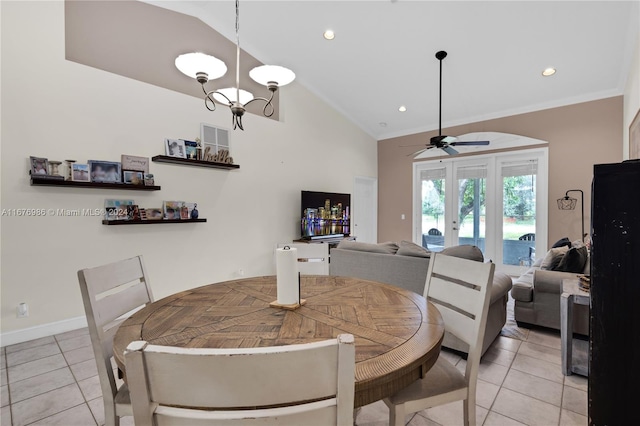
<point>441,141</point>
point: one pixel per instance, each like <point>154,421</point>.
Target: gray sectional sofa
<point>408,269</point>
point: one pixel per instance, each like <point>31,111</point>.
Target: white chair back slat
<point>217,383</point>
<point>115,305</point>
<point>321,413</point>
<point>107,277</point>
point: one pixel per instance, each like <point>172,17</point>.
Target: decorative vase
<point>194,212</point>
<point>54,167</point>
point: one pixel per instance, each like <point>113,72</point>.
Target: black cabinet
<point>614,363</point>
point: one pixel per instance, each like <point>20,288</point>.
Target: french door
<point>496,202</point>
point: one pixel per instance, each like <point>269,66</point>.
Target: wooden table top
<point>397,333</point>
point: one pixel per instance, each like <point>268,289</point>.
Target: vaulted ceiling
<point>382,56</point>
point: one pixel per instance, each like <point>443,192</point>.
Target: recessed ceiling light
<point>329,35</point>
<point>402,108</point>
<point>548,72</point>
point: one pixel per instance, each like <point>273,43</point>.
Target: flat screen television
<point>325,214</point>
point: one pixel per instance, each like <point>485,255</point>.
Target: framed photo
<point>148,179</point>
<point>154,214</point>
<point>80,172</point>
<point>191,150</point>
<point>634,138</point>
<point>105,171</point>
<point>172,209</point>
<point>133,212</point>
<point>132,177</point>
<point>117,209</point>
<point>175,148</point>
<point>39,166</point>
<point>137,164</point>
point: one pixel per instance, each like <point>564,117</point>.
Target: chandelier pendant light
<point>205,67</point>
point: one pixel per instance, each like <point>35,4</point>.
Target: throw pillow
<point>562,242</point>
<point>465,252</point>
<point>408,248</point>
<point>573,261</point>
<point>383,248</point>
<point>553,258</point>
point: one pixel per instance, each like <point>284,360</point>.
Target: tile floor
<point>53,381</point>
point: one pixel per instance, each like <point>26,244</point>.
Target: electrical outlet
<point>22,310</point>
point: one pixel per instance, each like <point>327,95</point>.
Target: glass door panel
<point>519,213</point>
<point>472,211</point>
<point>432,198</point>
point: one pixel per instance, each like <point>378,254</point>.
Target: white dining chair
<point>307,384</point>
<point>461,290</point>
<point>111,292</point>
<point>313,259</point>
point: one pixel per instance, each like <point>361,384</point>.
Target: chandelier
<point>205,67</point>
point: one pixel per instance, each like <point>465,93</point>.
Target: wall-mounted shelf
<point>97,185</point>
<point>195,163</point>
<point>151,222</point>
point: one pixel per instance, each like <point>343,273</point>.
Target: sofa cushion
<point>383,248</point>
<point>553,258</point>
<point>465,251</point>
<point>410,249</point>
<point>574,260</point>
<point>562,242</point>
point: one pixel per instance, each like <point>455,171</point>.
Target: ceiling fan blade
<point>449,139</point>
<point>449,150</point>
<point>470,143</point>
<point>415,154</point>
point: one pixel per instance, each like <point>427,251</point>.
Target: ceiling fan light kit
<point>441,141</point>
<point>205,67</point>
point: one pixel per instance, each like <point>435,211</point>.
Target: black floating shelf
<point>151,222</point>
<point>101,185</point>
<point>195,163</point>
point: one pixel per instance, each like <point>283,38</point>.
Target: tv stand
<point>332,240</point>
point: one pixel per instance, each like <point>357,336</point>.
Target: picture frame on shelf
<point>105,171</point>
<point>80,172</point>
<point>39,166</point>
<point>117,209</point>
<point>148,179</point>
<point>175,148</point>
<point>133,212</point>
<point>634,138</point>
<point>184,212</point>
<point>134,163</point>
<point>132,177</point>
<point>172,209</point>
<point>154,214</point>
<point>191,150</point>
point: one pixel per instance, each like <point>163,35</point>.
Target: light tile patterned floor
<point>53,381</point>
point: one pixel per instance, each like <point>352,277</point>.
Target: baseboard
<point>44,330</point>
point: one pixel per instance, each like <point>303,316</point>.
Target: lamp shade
<point>268,73</point>
<point>192,63</point>
<point>230,92</point>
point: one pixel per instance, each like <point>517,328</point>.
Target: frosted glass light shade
<point>192,63</point>
<point>230,92</point>
<point>267,73</point>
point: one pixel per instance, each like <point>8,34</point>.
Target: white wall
<point>59,109</point>
<point>631,96</point>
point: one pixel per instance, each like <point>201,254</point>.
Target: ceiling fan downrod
<point>440,56</point>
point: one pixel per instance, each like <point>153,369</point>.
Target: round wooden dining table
<point>397,332</point>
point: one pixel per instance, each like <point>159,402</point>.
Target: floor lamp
<point>568,203</point>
